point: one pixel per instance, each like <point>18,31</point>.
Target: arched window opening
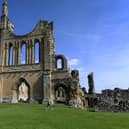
<point>23,53</point>
<point>11,54</point>
<point>61,92</point>
<point>59,64</point>
<point>36,52</point>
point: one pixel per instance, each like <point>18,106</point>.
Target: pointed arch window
<point>11,54</point>
<point>37,52</point>
<point>23,53</point>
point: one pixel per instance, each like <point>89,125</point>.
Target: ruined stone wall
<point>11,81</point>
<point>116,100</point>
<point>35,74</point>
<point>34,81</point>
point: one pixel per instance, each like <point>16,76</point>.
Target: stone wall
<point>34,81</point>
<point>11,82</point>
<point>116,100</point>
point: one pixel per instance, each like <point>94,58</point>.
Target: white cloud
<point>73,62</point>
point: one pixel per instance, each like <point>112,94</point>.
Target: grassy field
<point>30,116</point>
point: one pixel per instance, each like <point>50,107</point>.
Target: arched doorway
<point>23,91</point>
<point>60,94</point>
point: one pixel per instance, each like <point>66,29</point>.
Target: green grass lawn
<point>33,116</point>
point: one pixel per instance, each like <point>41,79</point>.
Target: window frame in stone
<point>11,49</point>
<point>37,52</point>
<point>25,53</point>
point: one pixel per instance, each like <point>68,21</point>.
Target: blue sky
<point>92,34</point>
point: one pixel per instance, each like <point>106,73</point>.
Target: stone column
<point>19,52</point>
<point>91,83</point>
<point>47,86</point>
<point>41,52</point>
<point>47,68</point>
<point>7,55</point>
<point>1,89</point>
<point>14,53</point>
<point>27,52</point>
<point>47,55</point>
<point>91,91</point>
<point>32,52</point>
<point>1,70</point>
<point>14,97</point>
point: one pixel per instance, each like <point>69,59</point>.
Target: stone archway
<point>60,94</point>
<point>23,91</point>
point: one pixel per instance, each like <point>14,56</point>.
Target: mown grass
<point>33,116</point>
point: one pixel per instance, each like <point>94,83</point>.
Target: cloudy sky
<point>92,34</point>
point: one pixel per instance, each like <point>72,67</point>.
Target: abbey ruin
<point>116,100</point>
<point>31,71</point>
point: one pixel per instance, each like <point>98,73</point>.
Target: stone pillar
<point>91,92</point>
<point>47,86</point>
<point>14,53</point>
<point>1,88</point>
<point>91,83</point>
<point>2,52</point>
<point>47,61</point>
<point>3,55</point>
<point>14,97</point>
<point>42,55</point>
<point>47,55</point>
<point>7,55</point>
<point>19,52</point>
<point>32,52</point>
<point>27,52</point>
<point>40,50</point>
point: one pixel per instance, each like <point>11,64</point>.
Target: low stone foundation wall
<point>116,100</point>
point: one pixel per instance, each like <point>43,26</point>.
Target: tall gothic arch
<point>10,54</point>
<point>36,51</point>
<point>23,53</point>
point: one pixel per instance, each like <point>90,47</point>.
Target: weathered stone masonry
<point>30,79</point>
